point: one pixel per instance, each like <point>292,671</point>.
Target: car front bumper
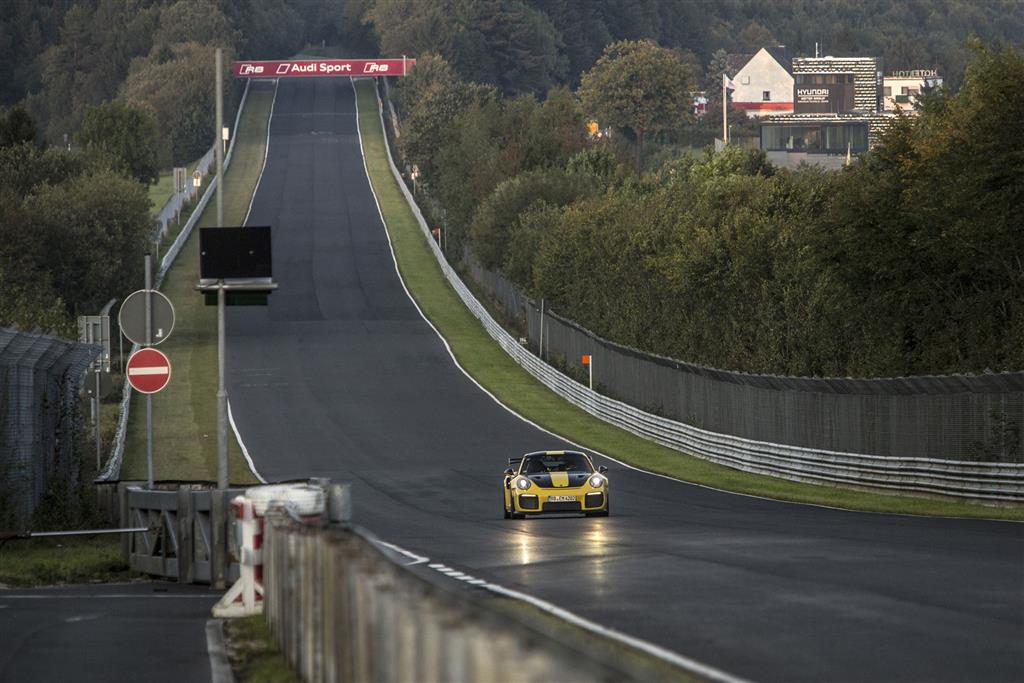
<point>536,500</point>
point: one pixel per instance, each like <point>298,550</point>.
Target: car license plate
<point>561,499</point>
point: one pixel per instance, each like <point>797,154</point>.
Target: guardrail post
<point>186,568</point>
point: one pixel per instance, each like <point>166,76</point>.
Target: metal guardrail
<point>179,541</point>
<point>342,610</point>
<point>112,470</point>
<point>983,482</point>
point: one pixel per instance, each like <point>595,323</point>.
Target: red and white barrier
<point>245,597</point>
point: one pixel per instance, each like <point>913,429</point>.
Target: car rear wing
<point>513,462</point>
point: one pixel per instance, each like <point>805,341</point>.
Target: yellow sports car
<point>555,481</point>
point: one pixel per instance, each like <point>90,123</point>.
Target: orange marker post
<point>588,361</point>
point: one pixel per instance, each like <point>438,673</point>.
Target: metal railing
<point>983,482</point>
<point>112,470</point>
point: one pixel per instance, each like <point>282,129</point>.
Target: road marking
<point>84,617</point>
<point>252,200</point>
<point>657,651</point>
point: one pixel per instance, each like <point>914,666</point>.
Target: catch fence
<point>40,378</point>
<point>951,417</point>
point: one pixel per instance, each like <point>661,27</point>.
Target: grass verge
<point>494,369</point>
<point>254,656</point>
<point>45,562</point>
<point>162,190</point>
<point>185,413</point>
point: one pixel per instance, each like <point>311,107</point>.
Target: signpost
<point>97,383</point>
<point>140,313</point>
<point>588,360</point>
<point>133,321</point>
<point>148,370</point>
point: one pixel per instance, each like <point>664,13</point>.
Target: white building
<point>901,87</point>
<point>764,85</point>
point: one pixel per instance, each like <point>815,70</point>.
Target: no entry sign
<point>148,371</point>
<point>323,67</point>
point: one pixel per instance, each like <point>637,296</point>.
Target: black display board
<point>226,253</point>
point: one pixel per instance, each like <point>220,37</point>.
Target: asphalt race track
<point>340,377</point>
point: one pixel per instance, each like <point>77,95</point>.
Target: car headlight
<point>522,483</point>
<point>597,481</point>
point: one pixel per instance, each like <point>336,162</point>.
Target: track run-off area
<point>341,376</point>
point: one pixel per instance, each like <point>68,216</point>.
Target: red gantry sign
<point>148,370</point>
<point>324,67</point>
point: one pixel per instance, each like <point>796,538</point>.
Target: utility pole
<point>217,137</point>
<point>219,512</point>
<point>149,397</point>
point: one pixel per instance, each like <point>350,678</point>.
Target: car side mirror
<point>510,471</point>
<point>602,469</point>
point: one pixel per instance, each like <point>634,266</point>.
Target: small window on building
<point>887,90</point>
<point>766,95</point>
<point>904,90</point>
<point>745,80</point>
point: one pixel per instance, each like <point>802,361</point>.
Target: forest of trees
<point>909,262</point>
<point>530,45</point>
<point>100,96</point>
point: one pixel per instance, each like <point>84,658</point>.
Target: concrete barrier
<point>341,609</point>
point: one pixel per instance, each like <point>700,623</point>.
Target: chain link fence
<point>40,378</point>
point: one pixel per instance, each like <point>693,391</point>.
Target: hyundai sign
<point>324,67</point>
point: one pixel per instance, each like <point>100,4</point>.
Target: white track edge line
<point>597,452</point>
<point>241,444</point>
<point>266,153</point>
<point>657,651</point>
<point>654,650</point>
<point>252,199</point>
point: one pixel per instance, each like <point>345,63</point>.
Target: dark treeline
<point>98,97</point>
<point>908,262</point>
<point>531,45</point>
<point>64,57</point>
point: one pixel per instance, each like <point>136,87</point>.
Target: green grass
<point>494,369</point>
<point>254,656</point>
<point>160,192</point>
<point>162,189</point>
<point>185,413</point>
<point>44,562</point>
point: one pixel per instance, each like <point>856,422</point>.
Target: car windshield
<point>556,462</point>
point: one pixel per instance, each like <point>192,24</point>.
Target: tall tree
<point>16,127</point>
<point>639,86</point>
<point>126,135</point>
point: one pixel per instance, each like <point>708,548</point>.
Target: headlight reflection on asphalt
<point>596,542</point>
<point>526,548</point>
